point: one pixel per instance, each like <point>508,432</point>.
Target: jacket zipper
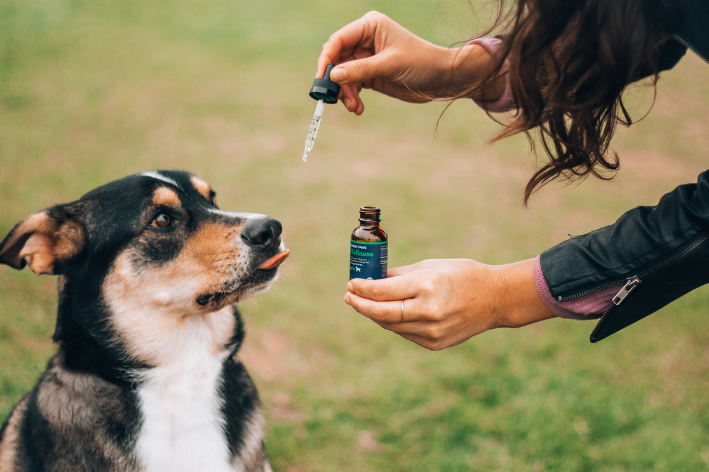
<point>635,281</point>
<point>600,288</point>
<point>690,47</point>
<point>632,283</point>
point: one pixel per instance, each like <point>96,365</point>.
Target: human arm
<point>376,53</point>
<point>447,301</point>
<point>665,246</point>
<point>650,257</point>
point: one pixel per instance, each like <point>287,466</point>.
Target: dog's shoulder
<point>245,424</point>
<point>66,419</point>
<point>242,409</point>
<point>11,444</point>
<point>241,405</point>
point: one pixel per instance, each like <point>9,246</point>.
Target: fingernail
<point>350,287</point>
<point>338,75</point>
<point>347,102</point>
<point>347,298</point>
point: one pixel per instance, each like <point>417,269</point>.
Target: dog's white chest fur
<point>182,426</point>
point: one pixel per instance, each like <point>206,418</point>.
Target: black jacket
<point>660,252</point>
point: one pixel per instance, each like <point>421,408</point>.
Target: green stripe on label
<point>362,242</point>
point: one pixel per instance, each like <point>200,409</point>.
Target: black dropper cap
<point>325,89</point>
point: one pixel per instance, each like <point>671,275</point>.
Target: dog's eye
<point>162,220</point>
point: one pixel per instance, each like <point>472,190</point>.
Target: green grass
<point>93,90</point>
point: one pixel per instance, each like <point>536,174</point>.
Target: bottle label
<point>368,260</point>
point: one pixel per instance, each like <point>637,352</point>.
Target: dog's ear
<point>44,241</point>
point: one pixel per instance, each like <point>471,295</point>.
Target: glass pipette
<point>324,91</point>
<point>313,131</point>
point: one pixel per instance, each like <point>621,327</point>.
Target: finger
<point>346,39</point>
<point>356,105</point>
<point>414,309</point>
<point>395,288</point>
<point>403,270</point>
<point>423,342</point>
<point>349,98</point>
<point>427,264</point>
<point>418,328</point>
<point>361,70</point>
<point>450,331</point>
<point>360,107</point>
<point>399,271</point>
<point>360,53</point>
<point>386,312</point>
<point>360,104</point>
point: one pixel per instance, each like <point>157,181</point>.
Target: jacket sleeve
<point>665,246</point>
<point>669,54</point>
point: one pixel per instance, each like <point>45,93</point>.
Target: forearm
<point>520,302</point>
<point>468,66</point>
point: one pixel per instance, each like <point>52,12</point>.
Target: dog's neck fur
<point>183,425</point>
<point>172,364</point>
<point>84,338</point>
<point>118,349</point>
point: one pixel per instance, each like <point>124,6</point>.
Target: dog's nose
<point>264,232</point>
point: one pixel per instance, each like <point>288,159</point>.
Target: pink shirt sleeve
<point>507,101</point>
<point>582,308</point>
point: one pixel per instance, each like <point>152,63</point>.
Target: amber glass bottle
<point>369,248</point>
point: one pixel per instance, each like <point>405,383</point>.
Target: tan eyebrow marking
<point>166,196</point>
<point>203,187</point>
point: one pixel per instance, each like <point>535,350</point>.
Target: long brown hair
<point>570,61</point>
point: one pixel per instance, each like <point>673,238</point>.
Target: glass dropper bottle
<point>369,246</point>
<point>324,91</point>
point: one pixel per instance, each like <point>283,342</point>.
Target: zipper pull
<point>629,286</point>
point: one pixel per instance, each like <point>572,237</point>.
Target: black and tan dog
<point>145,377</point>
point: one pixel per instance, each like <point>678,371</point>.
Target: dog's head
<point>144,253</point>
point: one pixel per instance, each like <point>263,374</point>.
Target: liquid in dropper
<point>324,91</point>
<point>313,131</point>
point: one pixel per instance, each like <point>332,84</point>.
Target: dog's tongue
<point>275,261</point>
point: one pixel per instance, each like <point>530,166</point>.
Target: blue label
<point>368,260</point>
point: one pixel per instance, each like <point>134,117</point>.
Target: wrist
<point>520,303</point>
<point>449,79</point>
<point>467,68</point>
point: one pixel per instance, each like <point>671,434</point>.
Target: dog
<point>145,376</point>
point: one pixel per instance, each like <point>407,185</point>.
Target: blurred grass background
<point>91,91</point>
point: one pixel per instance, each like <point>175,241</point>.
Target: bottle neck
<point>369,215</point>
<point>369,224</point>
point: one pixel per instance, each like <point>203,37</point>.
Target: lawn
<point>92,90</point>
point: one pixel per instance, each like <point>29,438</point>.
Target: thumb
<point>399,271</point>
<point>360,70</point>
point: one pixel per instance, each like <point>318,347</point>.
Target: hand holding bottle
<point>448,301</point>
<point>376,53</point>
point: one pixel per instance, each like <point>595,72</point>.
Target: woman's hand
<point>375,52</point>
<point>448,301</point>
